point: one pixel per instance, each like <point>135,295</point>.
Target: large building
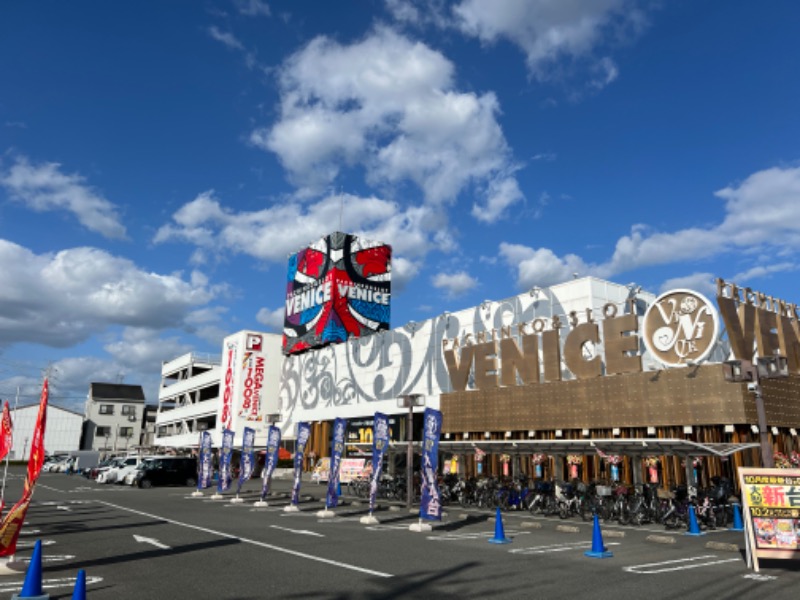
<point>556,370</point>
<point>62,433</point>
<point>114,417</point>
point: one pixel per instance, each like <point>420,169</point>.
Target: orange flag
<point>6,437</point>
<point>36,459</point>
<point>12,523</point>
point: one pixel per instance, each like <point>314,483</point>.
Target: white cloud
<point>388,104</point>
<point>552,32</point>
<point>263,234</point>
<point>44,187</point>
<point>226,38</point>
<point>274,319</point>
<point>455,284</point>
<point>142,349</point>
<point>699,282</point>
<point>761,213</point>
<point>61,299</point>
<point>253,8</point>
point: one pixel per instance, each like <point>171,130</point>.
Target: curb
<point>660,539</point>
<point>568,528</point>
<point>531,525</point>
<point>722,546</point>
<point>613,533</point>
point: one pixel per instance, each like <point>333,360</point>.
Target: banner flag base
<point>197,494</point>
<point>217,497</point>
<point>499,530</point>
<point>694,528</point>
<point>261,504</point>
<point>8,566</point>
<point>326,513</point>
<point>369,520</point>
<point>236,500</point>
<point>291,508</point>
<point>420,527</point>
<point>738,524</point>
<point>32,588</point>
<point>598,548</point>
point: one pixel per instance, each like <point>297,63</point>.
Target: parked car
<point>111,475</point>
<point>56,465</point>
<point>173,470</point>
<point>127,474</point>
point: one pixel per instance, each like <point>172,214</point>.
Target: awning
<point>626,447</point>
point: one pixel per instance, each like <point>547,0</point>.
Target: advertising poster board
<point>338,287</point>
<point>771,513</point>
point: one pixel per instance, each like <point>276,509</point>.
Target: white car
<point>113,474</point>
<point>102,473</point>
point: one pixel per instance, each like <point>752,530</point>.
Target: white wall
<point>62,430</point>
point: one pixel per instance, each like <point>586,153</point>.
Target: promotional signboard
<point>338,287</point>
<point>303,433</point>
<point>205,474</point>
<point>248,386</point>
<point>771,502</point>
<point>271,458</point>
<point>337,448</point>
<point>224,482</point>
<point>430,506</point>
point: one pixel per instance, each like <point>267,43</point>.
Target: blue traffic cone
<point>738,525</point>
<point>598,548</point>
<point>32,588</point>
<point>499,532</point>
<point>694,528</point>
<point>79,593</point>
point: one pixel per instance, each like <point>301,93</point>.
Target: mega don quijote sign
<point>247,386</point>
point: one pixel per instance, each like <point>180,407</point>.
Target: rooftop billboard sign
<point>336,288</point>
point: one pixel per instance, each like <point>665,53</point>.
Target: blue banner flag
<point>430,506</point>
<point>224,481</point>
<point>247,461</point>
<point>204,461</point>
<point>380,441</point>
<point>303,433</point>
<point>271,458</point>
<point>337,449</point>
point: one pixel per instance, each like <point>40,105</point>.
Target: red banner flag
<point>12,523</point>
<point>5,432</point>
<point>36,459</point>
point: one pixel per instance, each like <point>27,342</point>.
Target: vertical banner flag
<point>337,448</point>
<point>430,505</point>
<point>204,460</point>
<point>303,433</point>
<point>247,461</point>
<point>380,441</point>
<point>12,524</point>
<point>224,481</point>
<point>36,459</point>
<point>6,438</point>
<point>271,458</point>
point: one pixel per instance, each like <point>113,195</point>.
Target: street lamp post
<point>767,367</point>
<point>409,401</point>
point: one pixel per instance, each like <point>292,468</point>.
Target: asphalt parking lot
<point>163,543</point>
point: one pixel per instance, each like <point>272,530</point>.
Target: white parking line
<point>661,567</point>
<point>253,542</point>
<point>557,548</point>
<point>49,584</point>
<point>445,537</point>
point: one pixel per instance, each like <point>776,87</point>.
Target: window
<point>126,432</point>
<point>106,409</point>
<point>103,431</point>
<point>127,409</point>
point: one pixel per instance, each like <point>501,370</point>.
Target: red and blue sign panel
<point>338,287</point>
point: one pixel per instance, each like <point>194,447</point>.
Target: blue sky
<point>159,160</point>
